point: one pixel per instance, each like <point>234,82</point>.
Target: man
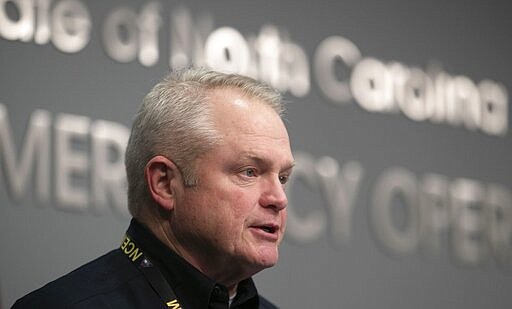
<point>206,164</point>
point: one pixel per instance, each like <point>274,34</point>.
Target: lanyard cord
<point>150,271</point>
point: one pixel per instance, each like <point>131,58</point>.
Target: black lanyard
<point>150,271</point>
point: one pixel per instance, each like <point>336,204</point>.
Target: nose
<point>273,195</point>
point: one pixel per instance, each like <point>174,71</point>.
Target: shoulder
<point>109,274</point>
<point>265,304</point>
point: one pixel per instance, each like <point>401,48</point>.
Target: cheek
<point>195,212</point>
<point>240,200</point>
<point>225,208</point>
<point>284,216</point>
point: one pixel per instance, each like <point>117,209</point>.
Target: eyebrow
<point>264,162</point>
<point>290,166</point>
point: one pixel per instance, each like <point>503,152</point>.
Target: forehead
<point>231,108</point>
<point>249,127</point>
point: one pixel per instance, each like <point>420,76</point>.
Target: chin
<point>267,257</point>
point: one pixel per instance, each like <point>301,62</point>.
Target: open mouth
<point>268,228</point>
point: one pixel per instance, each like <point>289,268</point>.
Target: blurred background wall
<point>398,113</point>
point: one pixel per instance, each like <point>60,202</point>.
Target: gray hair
<point>174,121</point>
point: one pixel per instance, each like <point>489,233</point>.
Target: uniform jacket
<point>116,280</point>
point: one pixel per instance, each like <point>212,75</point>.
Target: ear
<point>162,175</point>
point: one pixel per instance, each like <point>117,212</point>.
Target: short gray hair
<point>174,121</point>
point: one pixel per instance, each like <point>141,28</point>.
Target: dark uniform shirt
<point>115,281</point>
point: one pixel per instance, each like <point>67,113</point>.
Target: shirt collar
<point>193,288</point>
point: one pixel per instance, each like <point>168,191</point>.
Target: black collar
<point>193,288</point>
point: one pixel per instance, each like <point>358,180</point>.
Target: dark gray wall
<point>374,242</point>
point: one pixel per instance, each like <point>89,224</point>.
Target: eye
<point>249,172</point>
<point>283,179</point>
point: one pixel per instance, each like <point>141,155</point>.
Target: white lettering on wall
<point>71,164</point>
<point>226,50</point>
<point>108,176</point>
<point>18,166</point>
<point>187,38</point>
<point>88,162</point>
<point>339,186</point>
<point>128,35</point>
<point>71,26</point>
<point>475,217</point>
<point>67,24</point>
<point>342,74</point>
<point>440,98</point>
<point>21,29</point>
<point>409,214</point>
<point>396,186</point>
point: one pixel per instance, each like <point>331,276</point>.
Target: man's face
<point>235,217</point>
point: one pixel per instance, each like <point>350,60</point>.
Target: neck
<point>232,290</point>
<point>213,269</point>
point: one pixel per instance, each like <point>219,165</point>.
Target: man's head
<point>175,121</point>
<point>211,153</point>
